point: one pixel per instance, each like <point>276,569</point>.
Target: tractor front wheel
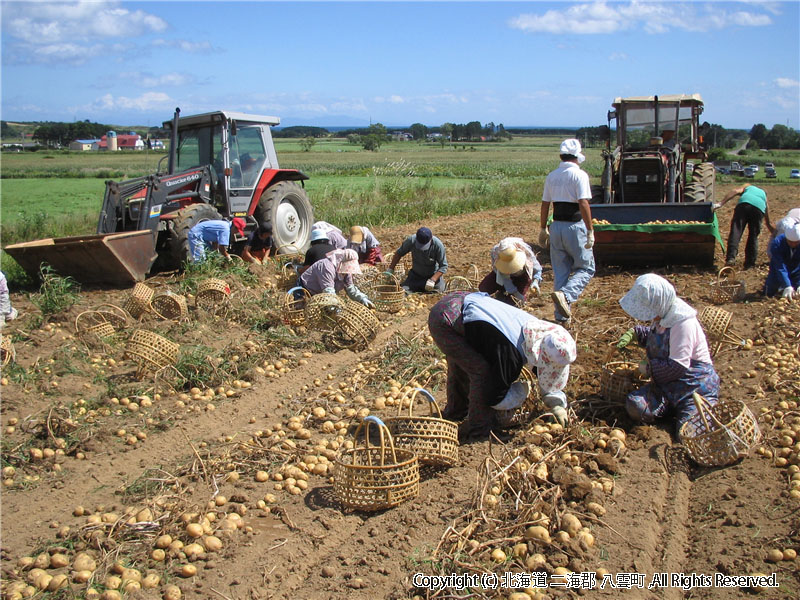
<point>287,208</point>
<point>184,220</point>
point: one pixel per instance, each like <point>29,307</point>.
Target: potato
<point>172,592</point>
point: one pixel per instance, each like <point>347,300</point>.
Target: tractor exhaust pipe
<point>173,142</point>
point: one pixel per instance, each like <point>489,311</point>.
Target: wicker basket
<point>474,276</point>
<point>716,323</point>
<point>212,293</point>
<point>94,323</point>
<point>288,253</point>
<point>355,327</point>
<point>373,478</point>
<point>287,277</point>
<point>321,311</point>
<point>293,310</point>
<point>7,352</point>
<point>526,411</point>
<point>170,306</point>
<point>138,301</point>
<point>386,293</point>
<point>433,439</point>
<point>618,379</point>
<point>114,315</point>
<point>460,284</point>
<point>151,351</point>
<point>726,288</point>
<point>721,434</point>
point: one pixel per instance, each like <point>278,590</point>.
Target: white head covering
<point>572,147</point>
<point>325,226</point>
<point>793,233</point>
<point>345,261</point>
<point>551,349</point>
<point>653,296</point>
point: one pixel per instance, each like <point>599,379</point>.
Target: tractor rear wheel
<point>694,192</point>
<point>287,208</point>
<point>705,175</point>
<point>184,220</point>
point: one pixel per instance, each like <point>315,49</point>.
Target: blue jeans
<point>573,265</point>
<point>197,246</point>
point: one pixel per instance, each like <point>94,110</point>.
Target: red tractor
<point>221,165</point>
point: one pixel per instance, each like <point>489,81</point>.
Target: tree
<point>418,131</point>
<point>371,142</point>
<point>447,133</point>
<point>758,133</point>
<point>472,130</point>
<point>354,139</point>
<point>307,143</point>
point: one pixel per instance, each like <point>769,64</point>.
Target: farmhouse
<point>84,145</point>
<point>130,141</point>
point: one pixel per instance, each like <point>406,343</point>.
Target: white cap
<point>572,147</point>
<point>793,233</point>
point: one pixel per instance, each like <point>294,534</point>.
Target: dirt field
<point>105,465</point>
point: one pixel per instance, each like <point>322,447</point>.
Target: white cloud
<point>653,17</point>
<point>185,45</point>
<point>618,56</point>
<point>149,101</point>
<point>785,82</point>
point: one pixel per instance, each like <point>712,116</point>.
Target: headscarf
<point>551,349</point>
<point>531,264</point>
<point>345,261</point>
<point>653,296</point>
<point>325,226</point>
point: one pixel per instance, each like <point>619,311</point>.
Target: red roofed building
<point>124,142</point>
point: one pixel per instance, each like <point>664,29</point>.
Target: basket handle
<point>390,277</point>
<point>115,309</point>
<point>434,406</point>
<point>473,270</point>
<point>726,273</point>
<point>383,431</point>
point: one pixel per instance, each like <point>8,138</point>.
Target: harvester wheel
<point>184,220</point>
<point>286,207</point>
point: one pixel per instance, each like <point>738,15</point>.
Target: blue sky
<point>352,63</point>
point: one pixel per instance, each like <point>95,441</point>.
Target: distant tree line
<point>778,138</point>
<point>300,131</point>
<point>60,134</point>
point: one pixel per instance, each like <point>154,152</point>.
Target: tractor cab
<point>655,135</point>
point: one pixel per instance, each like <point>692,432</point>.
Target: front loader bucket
<point>113,258</point>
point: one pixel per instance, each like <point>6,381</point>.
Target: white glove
<point>544,237</point>
<point>788,293</point>
<point>644,368</point>
<point>589,239</point>
<point>535,291</point>
<point>715,206</point>
<point>368,303</point>
<point>430,285</point>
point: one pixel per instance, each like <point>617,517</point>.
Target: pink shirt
<point>687,342</point>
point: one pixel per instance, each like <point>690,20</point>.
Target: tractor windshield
<point>247,155</point>
<point>198,147</point>
<point>674,125</point>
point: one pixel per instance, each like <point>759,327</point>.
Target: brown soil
<point>663,513</point>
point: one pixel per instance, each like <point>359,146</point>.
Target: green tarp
<point>703,228</point>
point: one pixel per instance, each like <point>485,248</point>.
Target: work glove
<point>535,291</point>
<point>644,368</point>
<point>544,237</point>
<point>430,285</point>
<point>625,339</point>
<point>715,206</point>
<point>561,415</point>
<point>589,239</point>
<point>368,303</point>
<point>788,293</point>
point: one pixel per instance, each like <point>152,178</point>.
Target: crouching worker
<point>783,278</point>
<point>678,360</point>
<point>428,262</point>
<point>363,241</point>
<point>7,312</point>
<point>214,235</point>
<point>333,273</point>
<point>486,343</point>
<point>260,245</point>
<point>515,272</point>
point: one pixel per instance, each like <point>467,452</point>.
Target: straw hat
<point>356,235</point>
<point>510,261</point>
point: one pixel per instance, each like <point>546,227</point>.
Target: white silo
<point>111,139</point>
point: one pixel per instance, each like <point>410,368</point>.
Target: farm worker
<point>668,138</point>
<point>792,217</point>
<point>486,343</point>
<point>363,241</point>
<point>7,312</point>
<point>428,262</point>
<point>317,250</point>
<point>570,234</point>
<point>678,360</point>
<point>515,272</point>
<point>259,245</point>
<point>749,212</point>
<point>333,273</point>
<point>333,233</point>
<point>784,264</point>
<point>214,234</point>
